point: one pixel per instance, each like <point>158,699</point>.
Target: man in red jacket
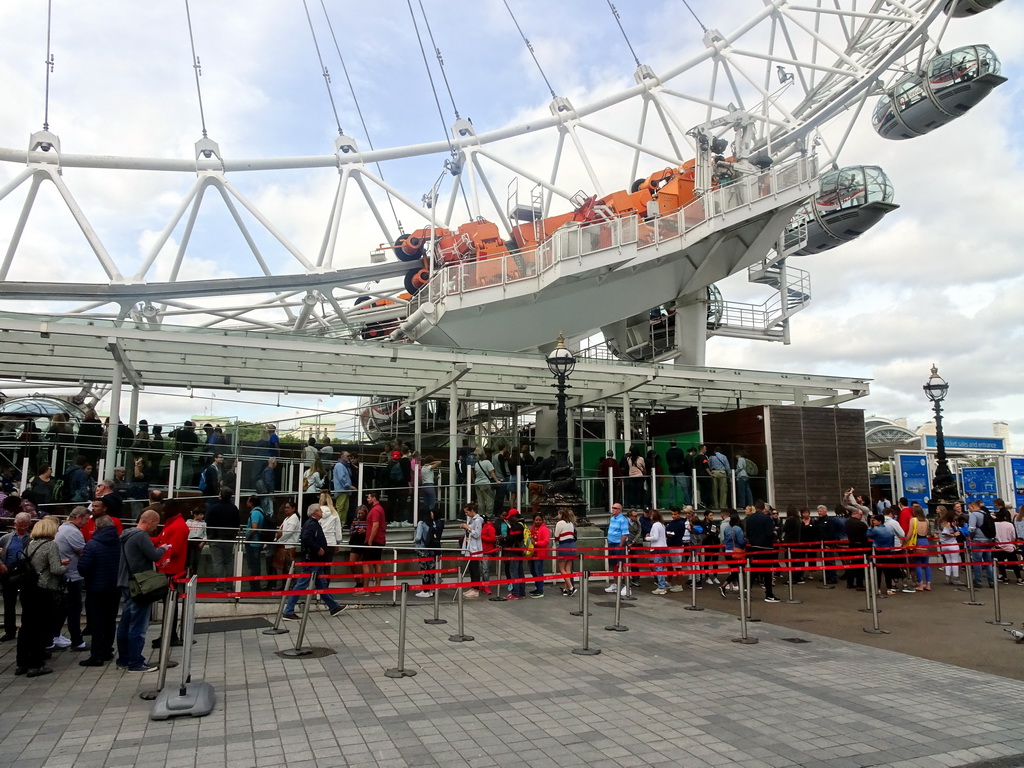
<point>173,535</point>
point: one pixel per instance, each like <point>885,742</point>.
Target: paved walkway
<point>671,691</point>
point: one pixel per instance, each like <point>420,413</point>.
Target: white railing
<point>573,241</point>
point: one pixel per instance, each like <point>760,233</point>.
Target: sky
<point>936,282</point>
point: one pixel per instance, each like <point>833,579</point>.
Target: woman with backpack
<point>428,546</point>
<point>41,599</point>
<point>917,545</point>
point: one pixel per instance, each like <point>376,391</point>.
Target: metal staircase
<point>770,320</point>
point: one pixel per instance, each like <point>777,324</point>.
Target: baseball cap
<point>396,454</point>
<point>512,512</point>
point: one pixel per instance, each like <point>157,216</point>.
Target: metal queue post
<point>165,647</point>
<point>789,559</point>
<point>617,626</point>
<point>872,582</point>
<point>461,636</point>
<point>824,572</point>
<point>871,607</point>
<point>195,699</point>
<point>693,585</point>
<point>586,650</point>
<point>744,638</point>
<point>399,670</point>
<point>298,651</point>
<point>969,575</point>
<point>996,602</point>
<point>437,596</point>
<point>277,629</point>
<point>582,603</point>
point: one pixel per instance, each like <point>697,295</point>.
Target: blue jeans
<point>746,497</point>
<point>982,557</point>
<point>922,573</point>
<point>658,560</point>
<point>537,571</point>
<point>254,559</point>
<point>131,632</point>
<point>515,571</point>
<point>429,493</point>
<point>319,583</point>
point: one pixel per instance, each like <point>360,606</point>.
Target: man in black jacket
<point>314,550</point>
<point>761,548</point>
<point>857,534</point>
<point>98,565</point>
<point>222,521</point>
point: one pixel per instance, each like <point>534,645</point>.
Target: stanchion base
<point>745,640</point>
<point>617,628</point>
<point>399,673</point>
<point>1001,623</point>
<point>972,602</point>
<point>827,586</point>
<point>873,631</point>
<point>197,700</point>
<point>276,631</point>
<point>867,610</point>
<point>496,599</point>
<point>461,638</point>
<point>629,597</point>
<point>793,602</point>
<point>740,618</point>
<point>586,651</point>
<point>149,695</point>
<point>435,621</point>
<point>294,653</point>
<point>579,613</point>
<point>692,608</point>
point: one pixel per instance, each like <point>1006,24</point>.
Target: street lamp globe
<point>561,360</point>
<point>936,388</point>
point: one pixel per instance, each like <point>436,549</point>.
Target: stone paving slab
<point>673,690</point>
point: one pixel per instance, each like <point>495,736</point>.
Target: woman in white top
<point>565,541</point>
<point>656,541</point>
<point>287,539</point>
<point>428,486</point>
<point>330,522</point>
<point>313,480</point>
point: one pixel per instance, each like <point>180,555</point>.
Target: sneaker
<point>721,591</point>
<point>800,582</point>
<point>80,647</point>
<point>290,617</point>
<point>92,663</point>
<point>511,597</point>
<point>143,668</point>
<point>337,610</point>
<point>565,592</point>
<point>424,594</point>
<point>700,585</point>
<point>772,600</point>
<point>610,589</point>
<point>714,581</point>
<point>485,590</point>
<point>675,588</point>
<point>572,592</point>
<point>535,595</point>
<point>39,671</point>
<point>624,592</point>
<point>471,593</point>
<point>61,642</point>
<point>659,591</point>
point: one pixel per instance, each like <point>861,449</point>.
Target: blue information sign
<point>968,443</point>
<point>913,469</point>
<point>980,485</point>
<point>1017,471</point>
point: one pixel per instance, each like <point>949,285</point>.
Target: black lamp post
<point>562,490</point>
<point>561,363</point>
<point>944,489</point>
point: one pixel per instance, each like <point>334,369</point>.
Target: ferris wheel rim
<point>821,113</point>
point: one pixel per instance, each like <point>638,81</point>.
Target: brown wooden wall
<point>816,454</point>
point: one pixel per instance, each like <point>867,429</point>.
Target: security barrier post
<point>166,630</point>
<point>400,670</point>
<point>996,602</point>
<point>824,572</point>
<point>437,595</point>
<point>867,608</point>
<point>617,626</point>
<point>969,574</point>
<point>586,650</point>
<point>579,611</point>
<point>789,559</point>
<point>744,638</point>
<point>298,650</point>
<point>461,637</point>
<point>872,580</point>
<point>693,586</point>
<point>277,629</point>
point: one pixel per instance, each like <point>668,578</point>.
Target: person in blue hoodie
<point>98,566</point>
